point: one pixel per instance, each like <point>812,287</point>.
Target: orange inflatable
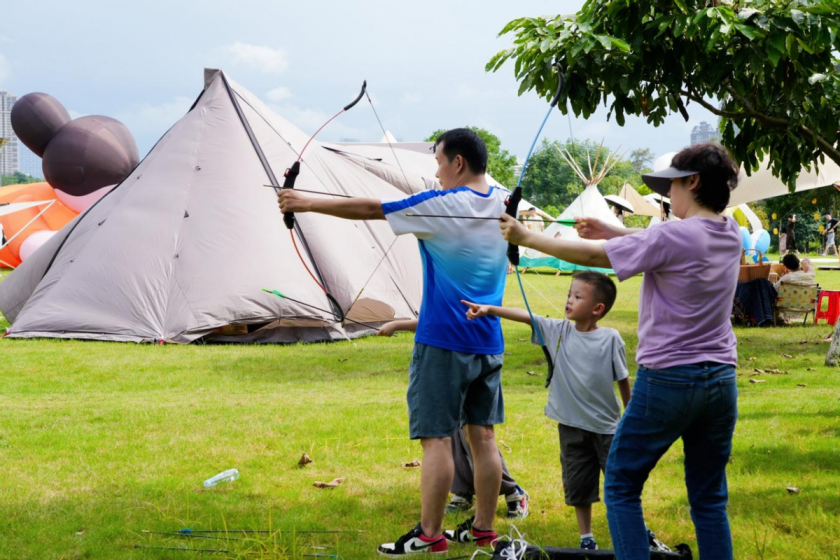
<point>52,220</point>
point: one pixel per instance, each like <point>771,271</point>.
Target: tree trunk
<point>833,355</point>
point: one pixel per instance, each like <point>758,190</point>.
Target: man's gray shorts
<point>829,239</point>
<point>447,389</point>
<point>583,455</point>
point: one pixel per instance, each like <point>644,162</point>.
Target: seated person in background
<point>806,266</point>
<point>794,274</point>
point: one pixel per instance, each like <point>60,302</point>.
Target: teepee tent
<point>641,207</point>
<point>589,204</point>
<point>182,248</point>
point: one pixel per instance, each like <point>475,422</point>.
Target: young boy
<point>456,369</point>
<point>588,359</point>
<point>463,487</point>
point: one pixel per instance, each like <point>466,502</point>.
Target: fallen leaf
<point>812,369</point>
<point>752,359</point>
<point>522,340</point>
<point>533,373</point>
<point>777,371</point>
<point>506,446</point>
<point>80,533</point>
<point>333,484</point>
<point>342,360</point>
<point>758,370</point>
<point>411,465</point>
<point>803,342</point>
<point>758,381</point>
<point>304,460</point>
<point>793,490</point>
<point>786,355</point>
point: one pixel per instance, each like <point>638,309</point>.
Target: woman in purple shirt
<point>685,385</point>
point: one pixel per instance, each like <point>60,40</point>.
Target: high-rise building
<point>29,163</point>
<point>703,133</point>
<point>10,153</point>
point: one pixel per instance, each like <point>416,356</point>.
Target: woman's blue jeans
<point>698,403</point>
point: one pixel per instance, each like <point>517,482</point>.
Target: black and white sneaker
<point>414,542</point>
<point>466,533</point>
<point>656,544</point>
<point>588,543</point>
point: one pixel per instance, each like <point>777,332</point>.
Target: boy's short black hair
<point>718,173</point>
<point>467,144</point>
<point>602,287</point>
<point>791,262</point>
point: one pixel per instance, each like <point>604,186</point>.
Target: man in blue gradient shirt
<point>455,373</point>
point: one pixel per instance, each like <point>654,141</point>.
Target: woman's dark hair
<point>791,262</point>
<point>718,173</point>
<point>467,144</point>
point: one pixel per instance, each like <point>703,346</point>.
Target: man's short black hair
<point>603,288</point>
<point>791,262</point>
<point>467,144</point>
<point>718,173</point>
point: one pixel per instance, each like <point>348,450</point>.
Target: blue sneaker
<point>588,544</point>
<point>517,504</point>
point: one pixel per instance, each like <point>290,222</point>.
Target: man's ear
<point>459,162</point>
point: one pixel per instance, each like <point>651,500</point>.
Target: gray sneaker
<point>656,544</point>
<point>459,503</point>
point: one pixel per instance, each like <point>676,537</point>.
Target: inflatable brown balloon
<point>89,153</point>
<point>36,118</point>
<point>83,158</point>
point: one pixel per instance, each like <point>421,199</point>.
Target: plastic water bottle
<point>225,476</point>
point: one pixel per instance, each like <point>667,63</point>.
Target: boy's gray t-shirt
<point>586,364</point>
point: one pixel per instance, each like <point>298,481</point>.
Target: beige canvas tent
<point>185,245</point>
<point>641,206</point>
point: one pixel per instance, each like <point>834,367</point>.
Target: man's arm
<point>348,208</point>
<point>624,391</point>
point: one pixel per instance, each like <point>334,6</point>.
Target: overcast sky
<point>424,62</point>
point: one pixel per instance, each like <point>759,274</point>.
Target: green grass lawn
<point>99,441</point>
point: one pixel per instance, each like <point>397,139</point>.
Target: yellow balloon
<point>816,215</point>
<point>813,201</point>
<point>822,229</point>
<point>774,216</point>
<point>775,230</point>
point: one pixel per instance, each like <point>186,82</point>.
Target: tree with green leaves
<point>640,159</point>
<point>18,178</point>
<point>768,68</point>
<point>500,162</point>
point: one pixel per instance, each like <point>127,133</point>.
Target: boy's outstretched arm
<point>348,208</point>
<point>403,325</point>
<point>624,391</point>
<point>476,310</point>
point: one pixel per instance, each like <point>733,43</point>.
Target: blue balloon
<point>746,240</point>
<point>762,242</point>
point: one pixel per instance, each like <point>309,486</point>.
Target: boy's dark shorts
<point>583,455</point>
<point>447,389</point>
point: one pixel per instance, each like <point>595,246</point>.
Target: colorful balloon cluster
<point>759,239</point>
<point>83,159</point>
